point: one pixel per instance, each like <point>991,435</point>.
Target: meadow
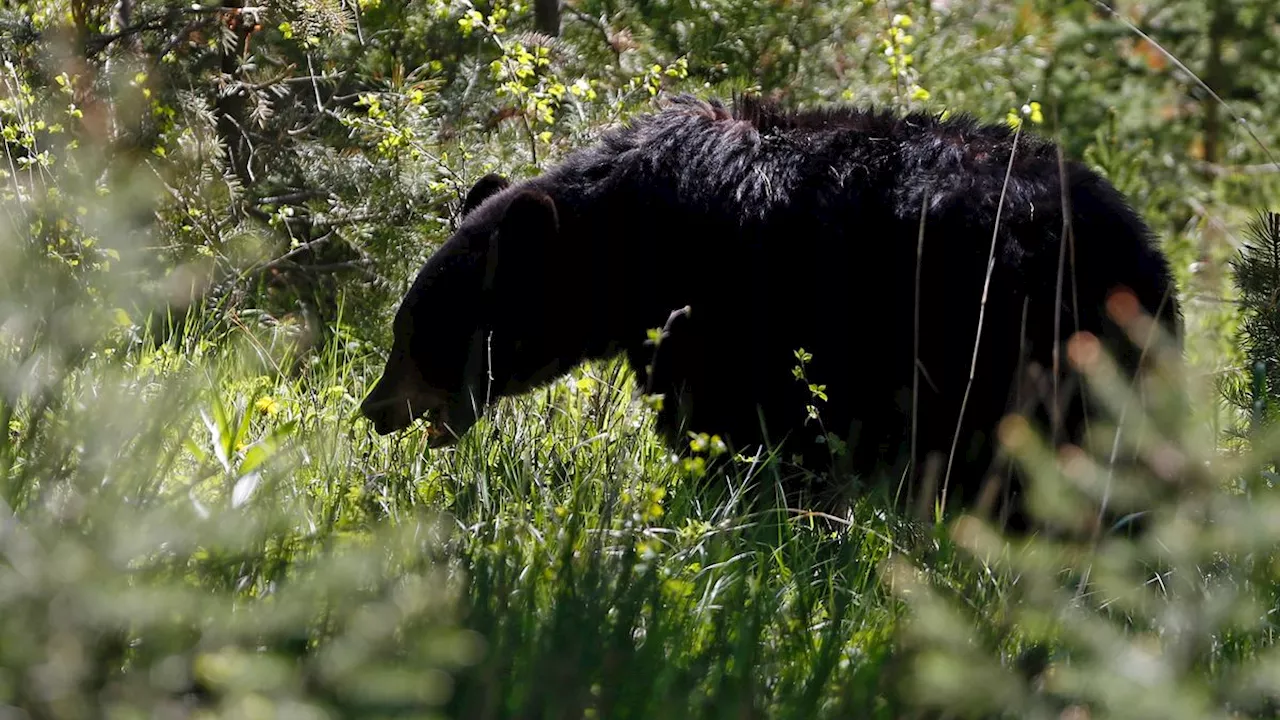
<point>210,213</point>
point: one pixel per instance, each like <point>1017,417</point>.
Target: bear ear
<point>485,188</point>
<point>519,246</point>
<point>532,213</point>
<point>517,250</point>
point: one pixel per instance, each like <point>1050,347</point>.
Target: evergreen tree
<point>1257,271</point>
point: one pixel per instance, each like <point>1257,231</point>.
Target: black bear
<point>878,244</point>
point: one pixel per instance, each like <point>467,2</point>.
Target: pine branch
<point>1257,271</point>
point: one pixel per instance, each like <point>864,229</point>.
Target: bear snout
<point>395,407</point>
<point>387,415</point>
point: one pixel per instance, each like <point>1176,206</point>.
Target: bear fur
<point>779,230</point>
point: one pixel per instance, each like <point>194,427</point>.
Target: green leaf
<point>196,451</point>
<point>244,488</point>
<point>261,451</point>
<point>217,425</point>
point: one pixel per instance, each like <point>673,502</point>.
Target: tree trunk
<point>231,103</point>
<point>1220,26</point>
<point>546,17</point>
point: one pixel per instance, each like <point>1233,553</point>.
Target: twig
<point>98,43</point>
<point>916,365</point>
<point>291,198</point>
<point>1219,170</point>
<point>982,314</point>
<point>598,24</point>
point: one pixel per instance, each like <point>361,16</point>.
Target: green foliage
<point>209,212</point>
<point>1257,274</point>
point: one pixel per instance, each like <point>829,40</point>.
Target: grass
<point>196,529</point>
<point>201,525</point>
<point>201,528</point>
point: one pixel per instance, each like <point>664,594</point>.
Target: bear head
<point>478,323</point>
